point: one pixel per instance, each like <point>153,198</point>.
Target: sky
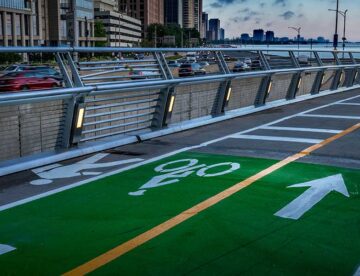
<point>242,16</point>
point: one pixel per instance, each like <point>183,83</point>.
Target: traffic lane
<point>17,186</point>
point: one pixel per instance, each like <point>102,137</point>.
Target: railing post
<point>224,90</point>
<point>77,120</point>
<point>339,74</point>
<point>64,72</point>
<point>75,73</point>
<point>164,68</point>
<point>263,92</point>
<point>317,82</point>
<point>164,108</point>
<point>294,86</point>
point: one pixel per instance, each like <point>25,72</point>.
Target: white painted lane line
<point>348,104</point>
<point>157,158</point>
<point>330,116</point>
<point>280,139</point>
<point>4,248</point>
<point>303,129</point>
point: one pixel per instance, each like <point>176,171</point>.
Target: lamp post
<point>336,36</point>
<point>298,30</point>
<point>344,14</point>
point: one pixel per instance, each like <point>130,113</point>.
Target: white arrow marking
<point>4,248</point>
<point>318,190</point>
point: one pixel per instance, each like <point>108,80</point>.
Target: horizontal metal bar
<point>118,111</point>
<point>117,61</point>
<point>152,50</point>
<point>113,134</point>
<point>118,119</point>
<point>120,77</point>
<point>115,126</point>
<point>90,108</point>
<point>121,97</point>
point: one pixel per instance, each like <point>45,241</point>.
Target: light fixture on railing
<point>228,94</point>
<point>269,87</point>
<point>356,76</point>
<point>171,104</point>
<point>299,83</point>
<point>341,77</point>
<point>80,117</point>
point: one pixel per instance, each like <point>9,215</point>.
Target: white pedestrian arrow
<point>4,248</point>
<point>318,190</point>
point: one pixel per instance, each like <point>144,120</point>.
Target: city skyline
<point>278,15</point>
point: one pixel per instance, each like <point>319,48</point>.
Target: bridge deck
<point>206,201</point>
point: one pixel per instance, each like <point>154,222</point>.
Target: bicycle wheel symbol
<point>173,171</point>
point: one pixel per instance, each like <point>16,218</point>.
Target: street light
<point>343,13</point>
<point>336,36</point>
<point>298,30</point>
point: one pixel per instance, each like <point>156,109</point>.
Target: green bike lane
<point>240,234</point>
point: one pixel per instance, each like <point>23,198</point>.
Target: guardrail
<point>111,96</point>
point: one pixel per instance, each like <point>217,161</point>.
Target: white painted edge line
<point>278,139</point>
<point>330,116</point>
<point>348,104</point>
<point>303,129</point>
<point>83,182</point>
<point>4,248</point>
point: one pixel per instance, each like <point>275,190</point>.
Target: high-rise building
<point>72,21</point>
<point>21,23</point>
<point>204,24</point>
<point>121,29</point>
<point>147,11</point>
<point>173,12</point>
<point>214,25</point>
<point>188,14</point>
<point>197,14</point>
<point>258,35</point>
<point>270,36</point>
<point>222,34</point>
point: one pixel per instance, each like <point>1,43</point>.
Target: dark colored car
<point>139,56</point>
<point>241,67</point>
<point>191,69</point>
<point>27,80</point>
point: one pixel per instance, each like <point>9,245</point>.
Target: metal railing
<point>110,94</point>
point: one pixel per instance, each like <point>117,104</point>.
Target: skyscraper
<point>270,36</point>
<point>222,34</point>
<point>204,24</point>
<point>258,35</point>
<point>188,14</point>
<point>173,12</point>
<point>214,25</point>
<point>148,11</point>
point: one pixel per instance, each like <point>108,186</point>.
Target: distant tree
<point>100,31</point>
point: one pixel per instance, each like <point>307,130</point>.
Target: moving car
<point>44,69</point>
<point>139,56</point>
<point>241,67</point>
<point>247,61</point>
<point>191,69</point>
<point>143,74</point>
<point>174,63</point>
<point>204,64</point>
<point>27,80</point>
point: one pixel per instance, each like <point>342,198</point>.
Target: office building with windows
<point>173,12</point>
<point>147,11</point>
<point>121,29</point>
<point>214,26</point>
<point>21,22</point>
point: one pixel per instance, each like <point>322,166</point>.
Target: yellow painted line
<point>171,223</point>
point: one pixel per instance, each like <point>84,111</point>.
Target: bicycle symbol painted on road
<point>184,168</point>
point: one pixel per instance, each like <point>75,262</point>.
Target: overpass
<point>233,172</point>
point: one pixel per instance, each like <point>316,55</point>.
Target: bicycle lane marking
<point>120,250</point>
<point>157,158</point>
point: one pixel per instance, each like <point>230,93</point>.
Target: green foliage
<point>181,35</point>
<point>100,31</point>
<point>6,58</point>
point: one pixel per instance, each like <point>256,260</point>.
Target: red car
<point>27,80</point>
